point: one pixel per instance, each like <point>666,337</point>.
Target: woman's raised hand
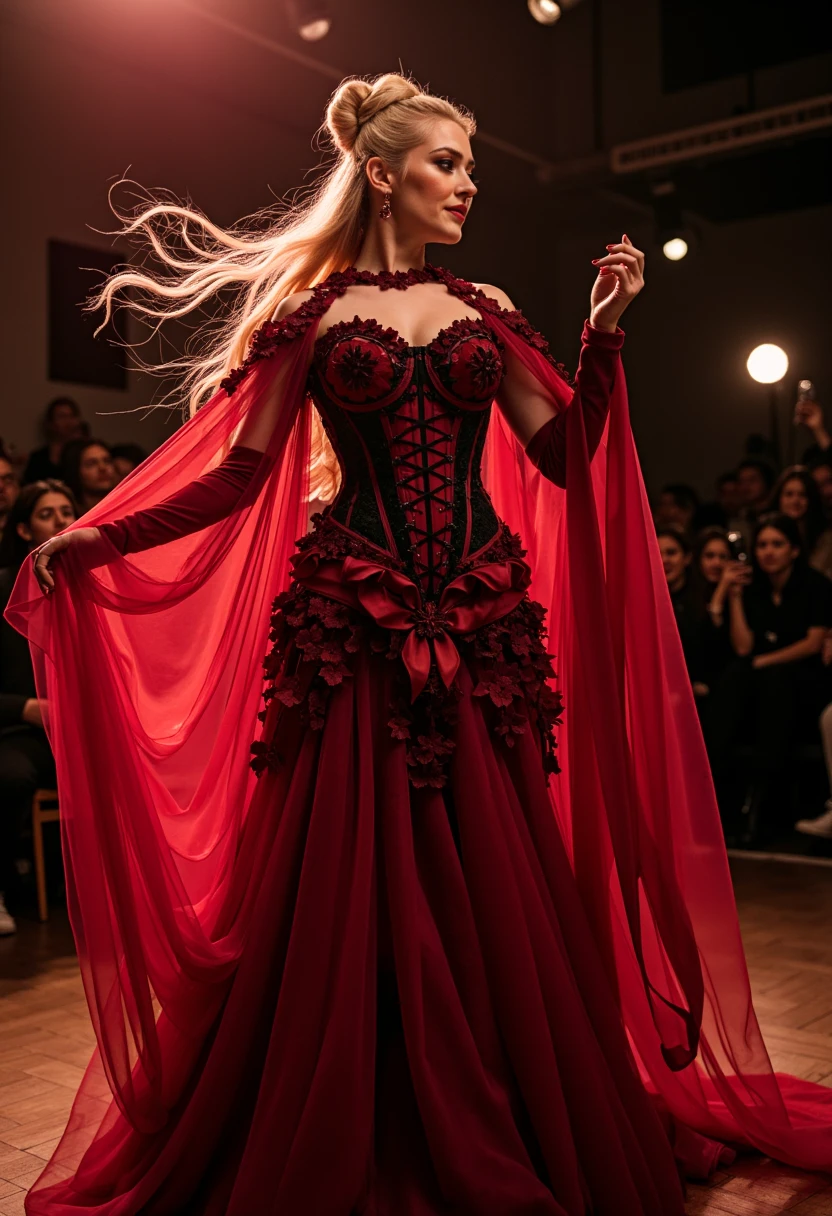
<point>56,544</point>
<point>735,576</point>
<point>620,279</point>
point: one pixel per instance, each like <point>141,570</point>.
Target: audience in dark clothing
<point>88,470</point>
<point>677,507</point>
<point>821,469</point>
<point>712,555</point>
<point>685,593</point>
<point>9,490</point>
<point>724,507</point>
<point>62,422</point>
<point>779,609</point>
<point>797,495</point>
<point>755,481</point>
<point>41,511</point>
<point>697,592</point>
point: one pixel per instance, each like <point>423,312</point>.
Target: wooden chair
<point>41,814</point>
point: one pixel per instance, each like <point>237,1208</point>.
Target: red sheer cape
<point>151,668</point>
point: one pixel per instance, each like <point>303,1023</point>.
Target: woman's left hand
<point>620,279</point>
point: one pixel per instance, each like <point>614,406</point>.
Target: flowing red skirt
<point>420,1022</point>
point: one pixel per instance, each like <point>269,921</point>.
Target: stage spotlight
<point>311,18</point>
<point>546,12</point>
<point>767,364</point>
<point>675,249</point>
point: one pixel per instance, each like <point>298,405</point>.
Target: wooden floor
<point>786,912</point>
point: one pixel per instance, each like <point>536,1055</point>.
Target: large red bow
<point>472,599</point>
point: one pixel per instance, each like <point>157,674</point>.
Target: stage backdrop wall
<point>94,89</point>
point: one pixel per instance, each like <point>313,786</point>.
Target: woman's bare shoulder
<point>495,293</point>
<point>291,304</point>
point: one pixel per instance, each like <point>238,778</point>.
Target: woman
<point>41,511</point>
<point>382,986</point>
<point>796,495</point>
<point>712,556</point>
<point>677,507</point>
<point>685,593</point>
<point>779,612</point>
<point>62,422</point>
<point>88,469</point>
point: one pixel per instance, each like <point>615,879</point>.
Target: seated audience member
<point>9,490</point>
<point>779,609</point>
<point>676,508</point>
<point>88,470</point>
<point>62,422</point>
<point>685,592</point>
<point>810,414</point>
<point>822,825</point>
<point>41,511</point>
<point>796,494</point>
<point>711,558</point>
<point>821,469</point>
<point>126,458</point>
<point>755,481</point>
<point>725,506</point>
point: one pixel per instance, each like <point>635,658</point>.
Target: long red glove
<point>204,501</point>
<point>594,380</point>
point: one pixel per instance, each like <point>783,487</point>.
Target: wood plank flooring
<point>786,913</point>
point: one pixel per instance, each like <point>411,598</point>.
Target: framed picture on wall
<point>74,355</point>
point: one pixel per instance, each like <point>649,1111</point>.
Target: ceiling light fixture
<point>311,18</point>
<point>546,12</point>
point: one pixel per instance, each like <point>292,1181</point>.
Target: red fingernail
<point>605,270</point>
<point>610,246</point>
<point>595,261</point>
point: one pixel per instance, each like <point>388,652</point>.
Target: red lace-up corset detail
<point>408,425</point>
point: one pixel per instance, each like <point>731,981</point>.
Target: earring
<point>386,209</point>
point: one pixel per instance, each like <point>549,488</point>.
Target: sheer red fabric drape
<point>151,667</point>
<point>635,800</point>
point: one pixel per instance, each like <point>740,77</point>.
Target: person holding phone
<point>778,612</point>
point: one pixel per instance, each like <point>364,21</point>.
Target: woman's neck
<point>779,580</point>
<point>381,251</point>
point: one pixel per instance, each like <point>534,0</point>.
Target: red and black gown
<point>417,1017</point>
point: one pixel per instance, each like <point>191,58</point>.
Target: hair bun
<point>356,102</point>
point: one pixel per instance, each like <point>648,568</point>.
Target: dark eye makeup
<point>448,165</point>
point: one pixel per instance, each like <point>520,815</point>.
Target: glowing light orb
<point>547,12</point>
<point>315,30</point>
<point>767,363</point>
<point>675,249</point>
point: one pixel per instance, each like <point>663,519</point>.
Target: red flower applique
<point>501,685</point>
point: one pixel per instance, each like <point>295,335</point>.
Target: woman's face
<point>751,486</point>
<point>97,473</point>
<point>431,198</point>
<point>713,558</point>
<point>774,552</point>
<point>65,423</point>
<point>52,513</point>
<point>823,480</point>
<point>794,500</point>
<point>672,514</point>
<point>674,559</point>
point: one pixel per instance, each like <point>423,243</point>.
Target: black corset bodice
<point>408,425</point>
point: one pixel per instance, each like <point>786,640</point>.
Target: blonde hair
<point>271,254</point>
